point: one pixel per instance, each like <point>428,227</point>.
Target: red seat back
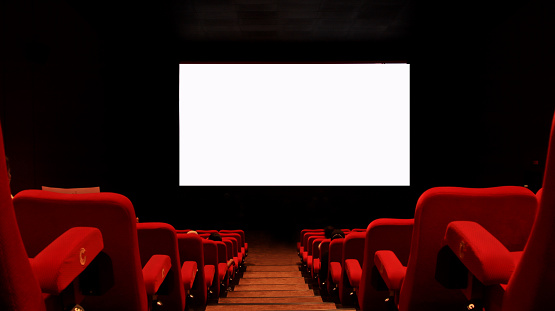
<point>532,283</point>
<point>19,289</point>
<point>44,215</point>
<point>436,208</point>
<point>335,254</point>
<point>210,249</point>
<point>382,234</point>
<point>238,231</point>
<point>161,238</point>
<point>353,248</point>
<point>191,249</point>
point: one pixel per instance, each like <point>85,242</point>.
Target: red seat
<point>535,268</point>
<point>381,234</point>
<point>244,243</point>
<point>512,276</point>
<point>56,212</point>
<point>353,255</point>
<point>314,264</point>
<point>309,248</point>
<point>358,230</point>
<point>506,211</point>
<point>56,266</point>
<point>229,248</point>
<point>223,271</point>
<point>160,238</point>
<point>321,265</point>
<point>236,240</point>
<point>301,248</point>
<point>211,267</point>
<point>335,261</point>
<point>191,250</point>
<point>306,247</point>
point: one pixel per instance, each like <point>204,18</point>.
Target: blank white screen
<point>294,124</point>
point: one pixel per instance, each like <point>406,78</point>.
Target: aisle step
<point>282,268</point>
<point>272,274</point>
<point>272,281</point>
<point>274,293</point>
<point>269,307</point>
<point>267,300</point>
<point>261,287</point>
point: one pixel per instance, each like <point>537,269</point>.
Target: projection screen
<point>294,124</point>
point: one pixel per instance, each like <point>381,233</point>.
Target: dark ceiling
<point>292,20</point>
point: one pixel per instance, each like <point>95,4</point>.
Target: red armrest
<point>209,271</point>
<point>65,258</point>
<point>316,265</point>
<point>482,254</point>
<point>188,274</point>
<point>354,272</point>
<point>335,271</point>
<point>155,271</point>
<point>222,271</point>
<point>390,268</point>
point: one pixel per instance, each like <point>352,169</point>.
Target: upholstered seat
<point>122,277</point>
<point>507,212</point>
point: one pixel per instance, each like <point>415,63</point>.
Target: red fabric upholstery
<point>323,262</point>
<point>19,289</point>
<point>310,249</point>
<point>531,286</point>
<point>235,239</point>
<point>316,267</point>
<point>234,250</point>
<point>244,243</point>
<point>191,249</point>
<point>382,234</point>
<point>335,257</point>
<point>188,274</point>
<point>315,257</point>
<point>507,212</point>
<point>390,268</point>
<point>304,243</point>
<point>335,271</point>
<point>301,237</point>
<point>155,271</point>
<point>222,263</point>
<point>482,254</point>
<point>161,238</point>
<point>229,247</point>
<point>222,274</point>
<point>209,272</point>
<point>353,248</point>
<point>65,258</point>
<point>353,271</point>
<point>112,214</point>
<point>211,266</point>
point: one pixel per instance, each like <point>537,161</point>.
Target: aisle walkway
<point>272,281</point>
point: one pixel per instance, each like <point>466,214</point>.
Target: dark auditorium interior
<point>89,97</point>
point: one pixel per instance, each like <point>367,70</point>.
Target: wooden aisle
<point>272,281</point>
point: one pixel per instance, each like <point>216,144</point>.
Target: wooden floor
<point>272,280</point>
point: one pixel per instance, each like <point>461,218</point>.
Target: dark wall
<point>89,96</point>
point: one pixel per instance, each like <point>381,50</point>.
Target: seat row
<point>87,252</point>
<point>460,251</point>
<point>466,248</point>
